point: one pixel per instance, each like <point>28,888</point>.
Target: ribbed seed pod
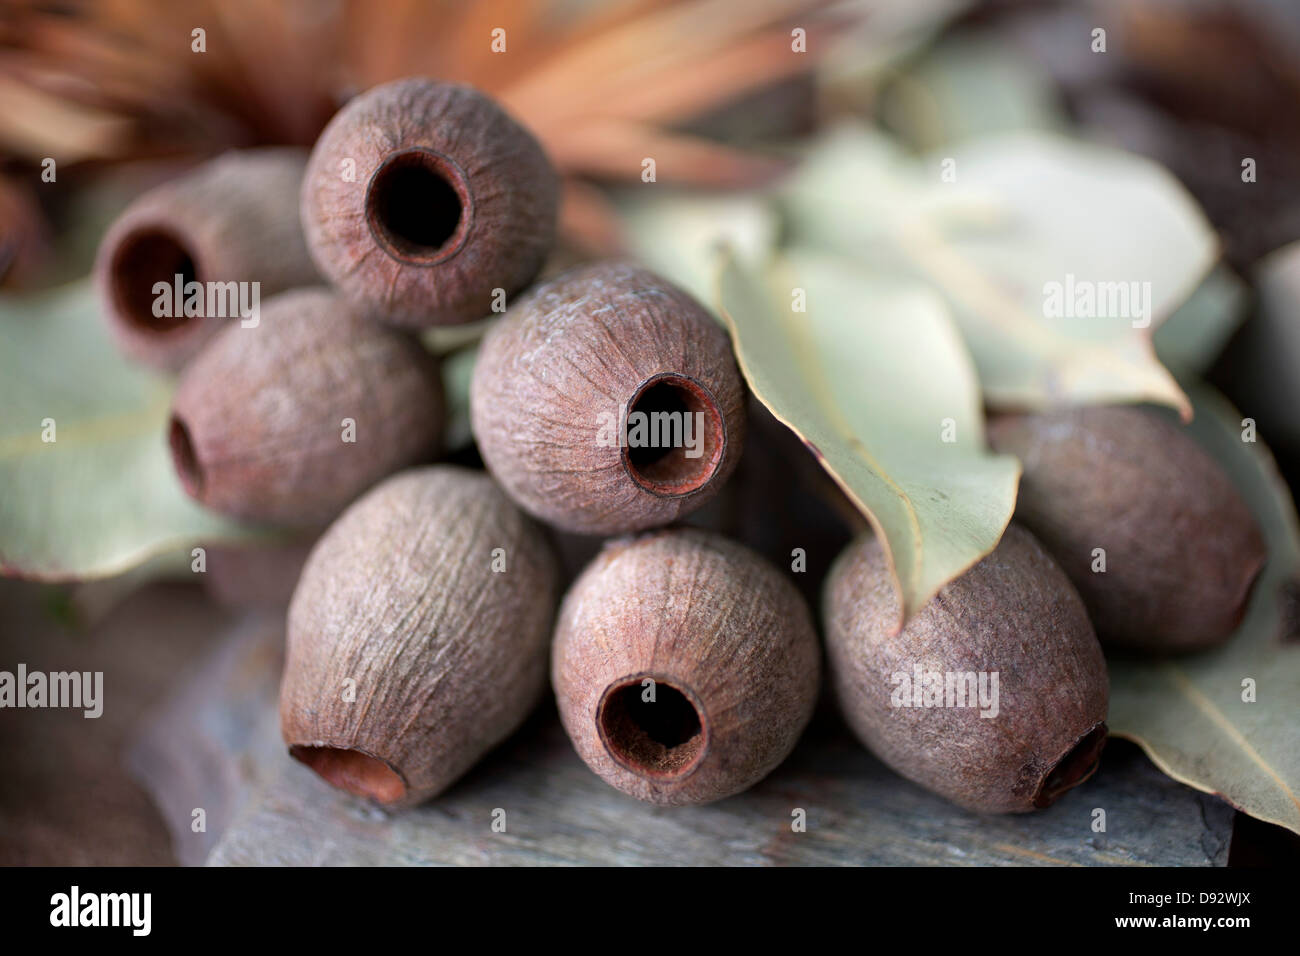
<point>233,219</point>
<point>994,695</point>
<point>607,400</point>
<point>1181,550</point>
<point>685,666</point>
<point>418,635</point>
<point>289,421</point>
<point>423,198</point>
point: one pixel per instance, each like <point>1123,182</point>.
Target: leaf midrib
<point>90,432</point>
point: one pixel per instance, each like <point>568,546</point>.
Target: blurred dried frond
<point>602,84</point>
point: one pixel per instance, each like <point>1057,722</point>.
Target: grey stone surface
<point>216,744</point>
<point>197,749</point>
<point>858,812</point>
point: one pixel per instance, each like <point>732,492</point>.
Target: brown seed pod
<point>289,421</point>
<point>1181,548</point>
<point>685,666</point>
<point>918,698</point>
<point>233,219</point>
<point>417,636</point>
<point>422,199</point>
<point>577,358</point>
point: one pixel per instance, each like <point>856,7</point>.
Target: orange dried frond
<point>275,71</point>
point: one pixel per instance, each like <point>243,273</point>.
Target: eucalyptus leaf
<point>678,233</point>
<point>875,379</point>
<point>966,86</point>
<point>445,339</point>
<point>1058,257</point>
<point>87,488</point>
<point>1192,715</point>
<point>868,51</point>
<point>457,373</point>
<point>1191,339</point>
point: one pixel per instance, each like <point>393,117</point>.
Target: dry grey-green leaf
<point>1001,224</point>
<point>1190,715</point>
<point>101,497</point>
<point>876,380</point>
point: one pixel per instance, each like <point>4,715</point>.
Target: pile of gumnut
<point>605,401</point>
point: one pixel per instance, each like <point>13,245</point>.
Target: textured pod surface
<point>422,198</point>
<point>233,219</point>
<point>1016,615</point>
<point>728,644</point>
<point>289,421</point>
<point>1182,550</point>
<point>441,641</point>
<point>575,360</point>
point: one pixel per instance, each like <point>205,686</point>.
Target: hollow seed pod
<point>289,421</point>
<point>607,400</point>
<point>1148,527</point>
<point>993,696</point>
<point>417,635</point>
<point>423,199</point>
<point>228,224</point>
<point>685,666</point>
